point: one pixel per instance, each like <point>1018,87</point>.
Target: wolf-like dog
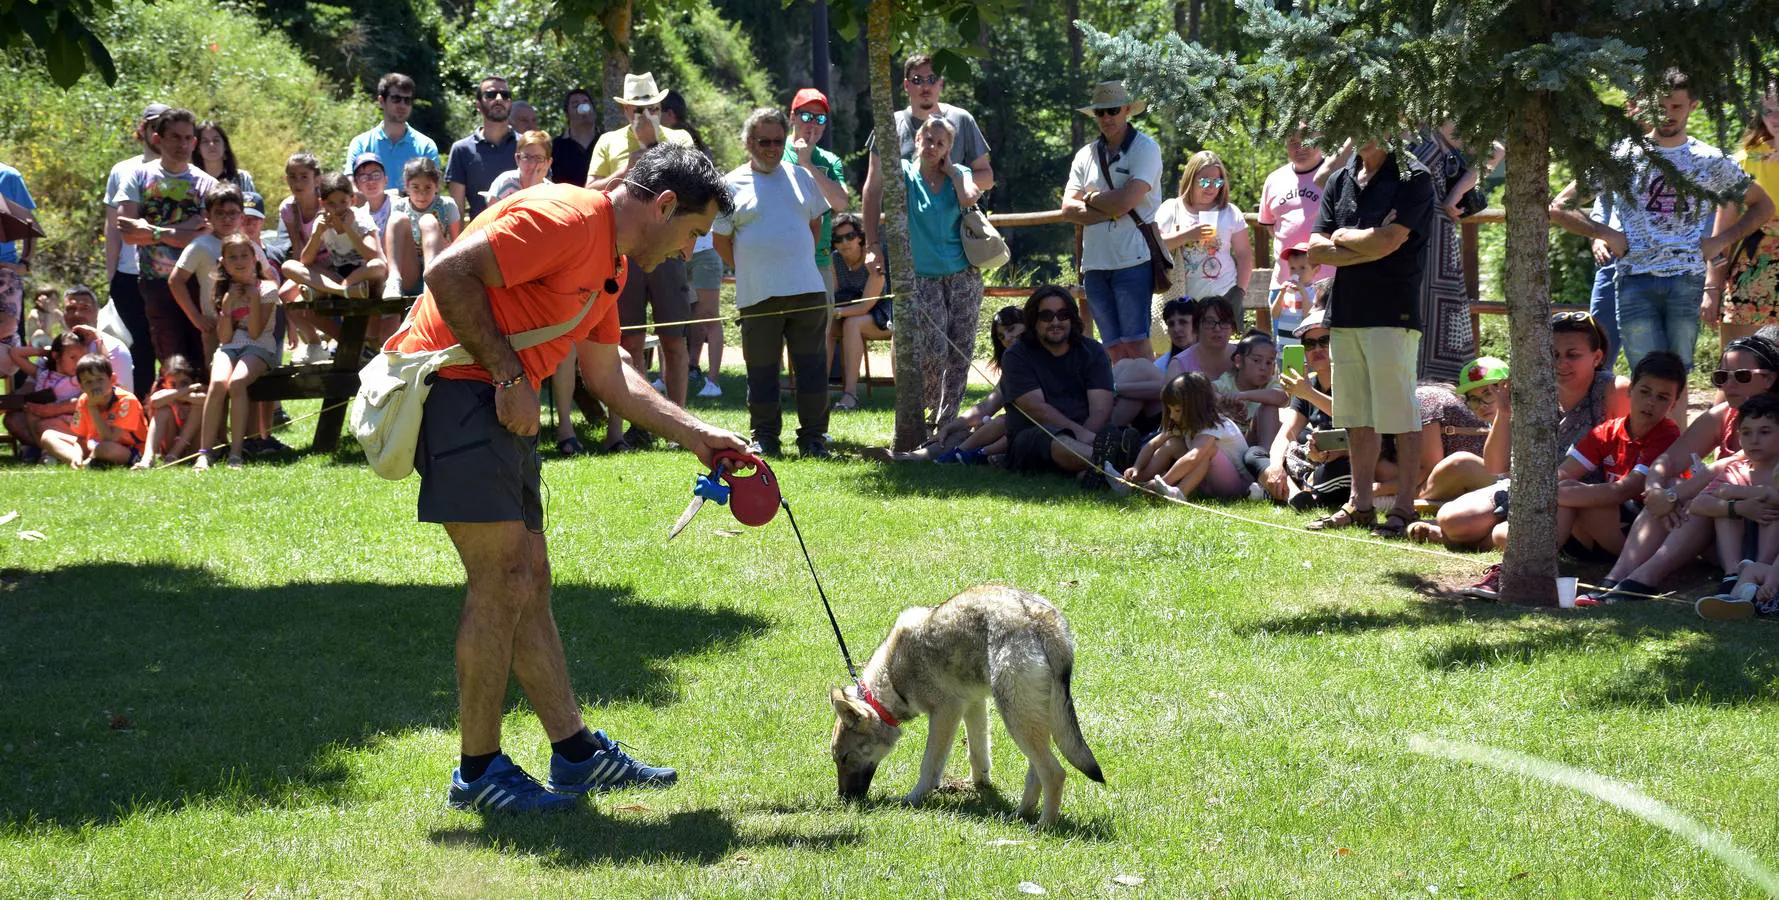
<point>945,662</point>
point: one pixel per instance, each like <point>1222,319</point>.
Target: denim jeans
<point>1603,306</point>
<point>1659,312</point>
<point>1120,302</point>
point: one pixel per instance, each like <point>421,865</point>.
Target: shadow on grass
<point>587,837</point>
<point>153,686</point>
<point>1668,654</point>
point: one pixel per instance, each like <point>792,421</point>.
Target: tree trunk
<point>1192,20</point>
<point>1077,124</point>
<point>1528,574</point>
<point>911,429</point>
<point>617,63</point>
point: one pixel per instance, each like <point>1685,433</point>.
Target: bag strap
<point>1099,152</point>
<point>528,339</point>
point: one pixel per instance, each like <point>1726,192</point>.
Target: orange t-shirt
<point>125,412</point>
<point>554,245</point>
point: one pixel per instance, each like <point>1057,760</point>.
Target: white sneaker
<point>1256,492</point>
<point>710,389</point>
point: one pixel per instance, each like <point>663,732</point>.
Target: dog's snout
<point>856,785</point>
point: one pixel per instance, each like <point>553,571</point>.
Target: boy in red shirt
<point>1593,517</point>
<point>109,425</point>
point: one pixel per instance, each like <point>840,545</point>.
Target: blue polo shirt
<point>475,163</point>
<point>12,187</point>
<point>393,154</point>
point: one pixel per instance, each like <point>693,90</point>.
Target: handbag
<point>392,388</point>
<point>983,244</point>
<point>1159,261</point>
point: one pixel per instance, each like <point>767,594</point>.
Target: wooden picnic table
<point>334,382</point>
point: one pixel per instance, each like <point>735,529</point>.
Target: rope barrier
<point>746,315</point>
<point>302,418</point>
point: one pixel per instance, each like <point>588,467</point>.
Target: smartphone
<point>1331,440</point>
<point>1291,357</point>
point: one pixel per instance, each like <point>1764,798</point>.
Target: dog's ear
<point>850,710</point>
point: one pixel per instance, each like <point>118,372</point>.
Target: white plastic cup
<point>1566,592</point>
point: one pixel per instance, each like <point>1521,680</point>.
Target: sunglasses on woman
<point>1320,343</point>
<point>840,237</point>
<point>1208,183</point>
<point>1722,377</point>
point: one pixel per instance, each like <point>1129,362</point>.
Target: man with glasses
<point>1058,385</point>
<point>662,292</point>
<point>1113,192</point>
<point>487,152</point>
<point>809,121</point>
<point>769,240</point>
<point>1375,218</point>
<point>392,141</point>
<point>968,147</point>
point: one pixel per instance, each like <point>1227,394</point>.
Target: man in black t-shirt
<point>1057,378</point>
<point>1375,218</point>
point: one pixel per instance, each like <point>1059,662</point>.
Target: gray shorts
<point>663,292</point>
<point>705,271</point>
<point>236,354</point>
<point>472,469</point>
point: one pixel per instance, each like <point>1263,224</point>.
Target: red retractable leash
<point>754,499</point>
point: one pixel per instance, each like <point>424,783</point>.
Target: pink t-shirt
<point>1289,203</point>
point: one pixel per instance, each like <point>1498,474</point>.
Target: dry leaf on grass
<point>1031,887</point>
<point>1128,880</point>
<point>1004,842</point>
<point>33,535</point>
<point>727,532</point>
<point>9,517</point>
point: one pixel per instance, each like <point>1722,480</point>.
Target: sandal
<point>1347,516</point>
<point>618,446</point>
<point>571,446</point>
<point>1396,523</point>
<point>847,401</point>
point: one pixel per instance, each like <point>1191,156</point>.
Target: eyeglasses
<point>369,175</point>
<point>1208,324</point>
<point>1053,315</point>
<point>849,236</point>
<point>1107,111</point>
<point>497,95</point>
<point>1320,343</point>
<point>817,118</point>
<point>924,80</point>
<point>769,142</point>
<point>1209,183</point>
<point>399,99</point>
<point>532,157</point>
<point>1721,377</point>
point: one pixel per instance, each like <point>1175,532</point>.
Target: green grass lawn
<point>242,684</point>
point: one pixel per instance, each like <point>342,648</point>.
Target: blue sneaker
<point>950,457</point>
<point>608,768</point>
<point>504,788</point>
<point>975,457</point>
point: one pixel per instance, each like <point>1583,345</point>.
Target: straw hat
<point>640,90</point>
<point>1111,93</point>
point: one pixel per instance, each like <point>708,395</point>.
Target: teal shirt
<point>829,164</point>
<point>933,219</point>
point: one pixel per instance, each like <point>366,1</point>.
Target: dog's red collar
<point>884,713</point>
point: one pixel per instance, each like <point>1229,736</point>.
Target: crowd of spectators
<point>1365,289</point>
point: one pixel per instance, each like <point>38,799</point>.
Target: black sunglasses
<point>497,95</point>
<point>1105,111</point>
<point>769,142</point>
<point>849,236</point>
<point>923,79</point>
<point>1721,377</point>
<point>1320,343</point>
<point>1052,315</point>
<point>817,118</point>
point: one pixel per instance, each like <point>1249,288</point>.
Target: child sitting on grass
<point>1198,449</point>
<point>248,347</point>
<point>174,415</point>
<point>1592,517</point>
<point>349,237</point>
<point>422,224</point>
<point>108,423</point>
<point>51,370</point>
<point>1739,508</point>
<point>1249,394</point>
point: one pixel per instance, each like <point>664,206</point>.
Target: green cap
<point>1481,372</point>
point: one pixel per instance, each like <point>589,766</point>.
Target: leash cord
<point>846,654</point>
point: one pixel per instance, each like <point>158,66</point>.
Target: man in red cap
<point>809,121</point>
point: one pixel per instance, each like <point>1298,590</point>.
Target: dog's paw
<point>914,798</point>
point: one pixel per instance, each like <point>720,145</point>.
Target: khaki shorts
<point>1374,378</point>
<point>663,292</point>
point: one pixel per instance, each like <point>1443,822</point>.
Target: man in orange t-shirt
<point>532,261</point>
<point>109,426</point>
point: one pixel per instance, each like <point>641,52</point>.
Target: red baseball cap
<point>807,96</point>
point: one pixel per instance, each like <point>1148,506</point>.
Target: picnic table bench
<point>333,382</point>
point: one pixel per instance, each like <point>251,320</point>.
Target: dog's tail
<point>1064,726</point>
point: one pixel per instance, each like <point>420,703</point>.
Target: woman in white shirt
<point>1206,234</point>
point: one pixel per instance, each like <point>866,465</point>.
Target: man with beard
<point>1058,378</point>
<point>480,158</point>
<point>1661,257</point>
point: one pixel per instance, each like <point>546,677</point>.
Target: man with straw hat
<point>1113,191</point>
<point>662,291</point>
